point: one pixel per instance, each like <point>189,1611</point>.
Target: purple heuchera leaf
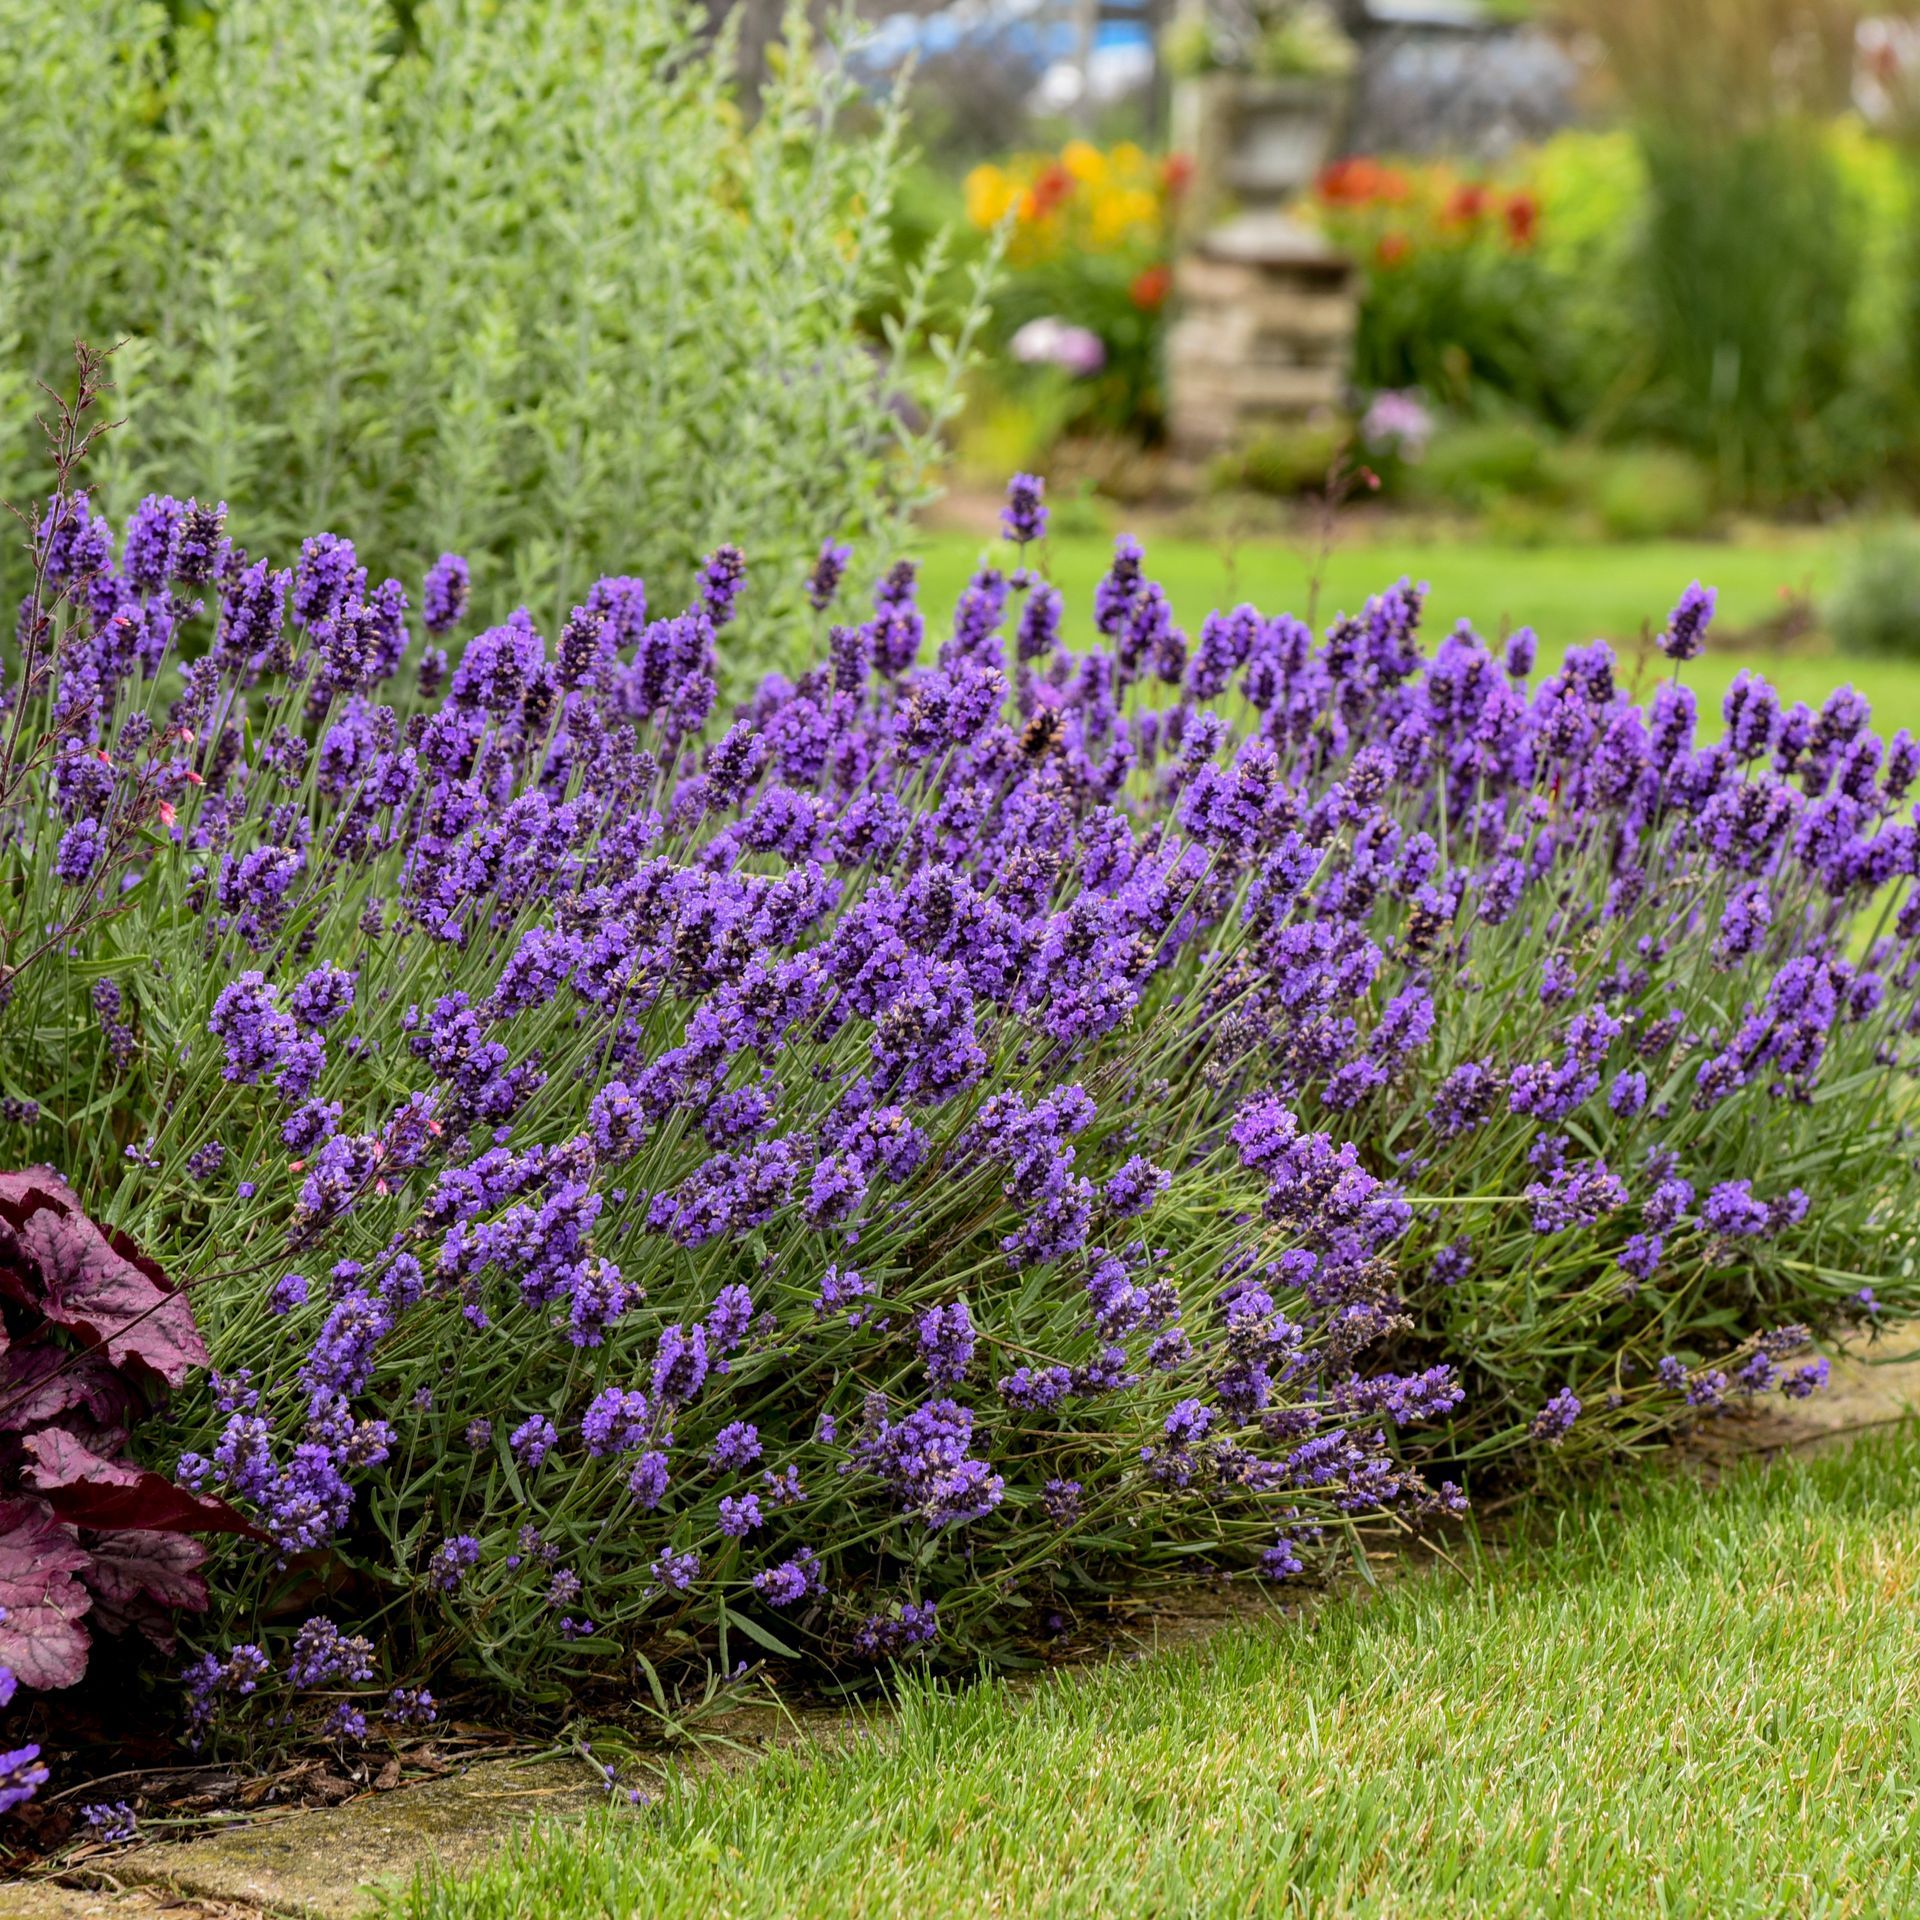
<point>139,1579</point>
<point>38,1384</point>
<point>99,1329</point>
<point>41,1638</point>
<point>87,1490</point>
<point>98,1286</point>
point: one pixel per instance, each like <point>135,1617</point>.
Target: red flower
<point>1467,204</point>
<point>1176,174</point>
<point>1394,247</point>
<point>1051,189</point>
<point>1522,217</point>
<point>1338,185</point>
<point>1150,288</point>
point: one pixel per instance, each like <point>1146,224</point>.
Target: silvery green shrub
<point>533,285</point>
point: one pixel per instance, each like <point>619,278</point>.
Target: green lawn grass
<point>1693,1704</point>
<point>1567,594</point>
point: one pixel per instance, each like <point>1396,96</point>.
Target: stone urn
<point>1253,140</point>
<point>1279,134</point>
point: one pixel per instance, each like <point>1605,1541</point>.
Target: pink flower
<point>1052,342</point>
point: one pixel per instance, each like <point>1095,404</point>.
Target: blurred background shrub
<point>1876,608</point>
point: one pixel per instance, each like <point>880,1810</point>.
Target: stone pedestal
<point>1263,337</point>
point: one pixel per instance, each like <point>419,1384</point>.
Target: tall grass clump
<point>1749,254</point>
<point>528,281</point>
<point>868,1170</point>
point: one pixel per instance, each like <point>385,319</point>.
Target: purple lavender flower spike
<point>829,569</point>
<point>722,577</point>
<point>1556,1418</point>
<point>1024,517</point>
<point>946,1342</point>
<point>1686,630</point>
<point>445,593</point>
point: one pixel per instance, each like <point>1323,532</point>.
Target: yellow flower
<point>1120,213</point>
<point>1127,160</point>
<point>1085,162</point>
<point>989,194</point>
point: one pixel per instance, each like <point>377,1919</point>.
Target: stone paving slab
<point>318,1863</point>
<point>1874,1384</point>
<point>44,1900</point>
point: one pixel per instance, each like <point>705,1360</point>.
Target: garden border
<point>244,1872</point>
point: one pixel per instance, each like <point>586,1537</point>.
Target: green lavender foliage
<point>532,285</point>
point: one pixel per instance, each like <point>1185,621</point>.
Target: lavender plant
<point>860,1173</point>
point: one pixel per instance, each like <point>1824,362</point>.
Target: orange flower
<point>1346,183</point>
<point>1522,217</point>
<point>1393,248</point>
<point>1150,288</point>
<point>1355,182</point>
